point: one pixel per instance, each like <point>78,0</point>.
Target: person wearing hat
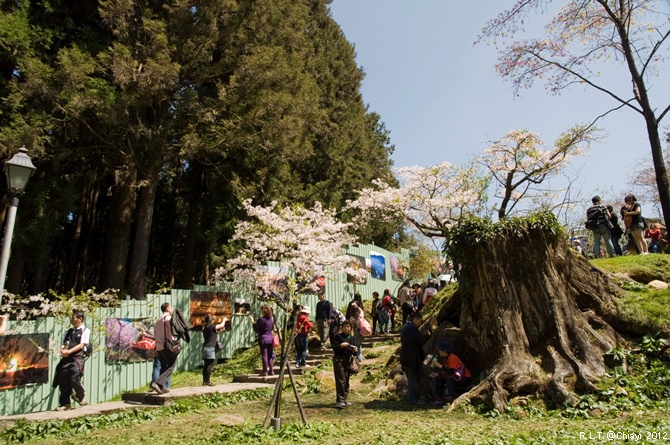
<point>449,374</point>
<point>302,328</point>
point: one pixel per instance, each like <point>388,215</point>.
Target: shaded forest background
<point>150,121</point>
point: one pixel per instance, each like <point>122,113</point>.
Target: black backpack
<point>592,219</point>
<point>87,351</point>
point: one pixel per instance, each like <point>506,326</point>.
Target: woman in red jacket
<point>302,328</point>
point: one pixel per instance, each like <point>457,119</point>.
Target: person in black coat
<point>344,350</point>
<point>412,355</point>
<point>615,230</point>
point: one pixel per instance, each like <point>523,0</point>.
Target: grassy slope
<point>636,402</point>
<point>649,306</point>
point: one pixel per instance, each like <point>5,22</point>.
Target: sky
<point>442,100</point>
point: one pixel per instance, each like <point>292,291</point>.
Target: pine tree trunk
<point>192,226</point>
<point>117,239</point>
<point>535,319</point>
<point>138,265</point>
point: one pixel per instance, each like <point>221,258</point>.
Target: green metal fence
<point>104,381</point>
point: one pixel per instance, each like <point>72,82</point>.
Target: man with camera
<point>598,221</point>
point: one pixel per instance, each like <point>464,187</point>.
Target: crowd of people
<point>603,222</point>
<point>345,332</point>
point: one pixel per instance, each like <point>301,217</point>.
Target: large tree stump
<point>534,316</point>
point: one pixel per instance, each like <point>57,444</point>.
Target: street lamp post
<point>18,170</point>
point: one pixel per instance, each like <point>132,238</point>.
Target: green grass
<point>647,307</point>
<point>640,268</point>
<point>643,305</point>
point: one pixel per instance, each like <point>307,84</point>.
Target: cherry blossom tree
<point>519,165</point>
<point>430,199</point>
<point>579,40</point>
<point>303,242</point>
<point>306,244</point>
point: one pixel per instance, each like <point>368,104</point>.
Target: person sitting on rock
<point>449,374</point>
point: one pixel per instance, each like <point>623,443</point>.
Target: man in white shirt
<point>71,367</point>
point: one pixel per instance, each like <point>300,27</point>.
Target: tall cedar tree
<point>150,121</point>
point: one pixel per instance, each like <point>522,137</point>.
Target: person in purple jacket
<point>264,327</point>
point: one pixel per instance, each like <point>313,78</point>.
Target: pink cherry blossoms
<point>430,199</point>
<point>304,243</point>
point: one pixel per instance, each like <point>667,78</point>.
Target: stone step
<point>151,398</point>
<point>255,378</point>
<point>390,334</point>
<point>310,361</point>
<point>294,370</point>
<point>371,341</point>
<point>320,355</point>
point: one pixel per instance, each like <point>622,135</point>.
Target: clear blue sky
<point>442,99</point>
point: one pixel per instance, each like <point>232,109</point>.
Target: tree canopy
<point>151,122</point>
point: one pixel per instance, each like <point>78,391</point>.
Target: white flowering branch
<point>304,242</point>
<point>519,165</point>
<point>431,199</point>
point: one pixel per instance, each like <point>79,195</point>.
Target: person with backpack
<point>169,330</point>
<point>76,348</point>
<point>384,312</point>
<point>598,221</point>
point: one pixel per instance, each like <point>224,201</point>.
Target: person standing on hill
<point>412,355</point>
<point>344,351</point>
<point>324,312</point>
<point>597,220</point>
<point>633,214</point>
<point>384,310</point>
<point>615,231</point>
<point>406,301</point>
<point>374,312</point>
